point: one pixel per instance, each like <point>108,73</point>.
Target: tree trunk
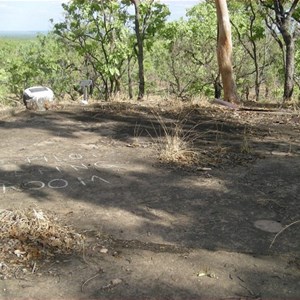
<point>217,87</point>
<point>254,55</point>
<point>283,20</point>
<point>289,67</point>
<point>130,89</point>
<point>284,24</point>
<point>224,51</point>
<point>140,49</point>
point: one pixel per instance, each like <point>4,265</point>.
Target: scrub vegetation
<point>137,53</point>
<point>168,194</point>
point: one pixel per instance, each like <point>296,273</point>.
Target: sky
<point>34,15</point>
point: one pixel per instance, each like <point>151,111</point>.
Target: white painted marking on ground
<point>81,181</point>
<point>65,184</point>
<point>94,176</point>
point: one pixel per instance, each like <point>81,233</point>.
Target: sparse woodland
<point>168,195</point>
<point>130,49</point>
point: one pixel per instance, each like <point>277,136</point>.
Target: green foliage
<point>96,40</point>
<point>3,86</point>
<point>154,16</point>
<point>101,32</point>
<point>187,61</point>
<point>97,32</point>
<point>42,61</point>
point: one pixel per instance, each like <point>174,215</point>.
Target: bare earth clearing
<point>154,230</point>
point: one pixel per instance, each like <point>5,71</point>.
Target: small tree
<point>97,31</point>
<point>285,16</point>
<point>140,48</point>
<point>149,18</point>
<point>186,60</point>
<point>255,44</point>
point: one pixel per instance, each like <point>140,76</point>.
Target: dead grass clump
<point>174,143</point>
<point>30,234</point>
<point>35,226</point>
<point>176,148</point>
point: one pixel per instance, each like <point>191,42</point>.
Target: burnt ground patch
<point>154,229</point>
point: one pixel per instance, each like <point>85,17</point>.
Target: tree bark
<point>217,87</point>
<point>224,51</point>
<point>140,50</point>
<point>289,63</point>
<point>283,20</point>
<point>289,70</point>
<point>130,89</point>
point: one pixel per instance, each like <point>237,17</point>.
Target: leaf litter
<point>30,235</point>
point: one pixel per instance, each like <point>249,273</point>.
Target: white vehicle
<point>37,97</point>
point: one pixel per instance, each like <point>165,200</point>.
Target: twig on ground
<point>91,278</point>
<point>282,230</point>
<point>33,268</point>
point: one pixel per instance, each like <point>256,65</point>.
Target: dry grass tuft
<point>28,235</point>
<point>245,146</point>
<point>174,143</point>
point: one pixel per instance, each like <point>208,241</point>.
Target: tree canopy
<point>100,40</point>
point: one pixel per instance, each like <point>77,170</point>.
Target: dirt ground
<point>157,230</point>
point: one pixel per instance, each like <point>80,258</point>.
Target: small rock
<point>116,281</point>
<point>104,250</point>
<point>268,225</point>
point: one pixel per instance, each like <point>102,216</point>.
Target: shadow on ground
<point>97,169</point>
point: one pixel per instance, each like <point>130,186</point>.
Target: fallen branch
<point>91,278</point>
<point>234,106</point>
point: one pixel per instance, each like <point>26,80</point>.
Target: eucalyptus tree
<point>203,34</point>
<point>97,31</point>
<point>140,47</point>
<point>186,60</point>
<point>148,19</point>
<point>177,71</point>
<point>253,38</point>
<point>283,17</point>
<point>224,51</point>
<point>297,64</point>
